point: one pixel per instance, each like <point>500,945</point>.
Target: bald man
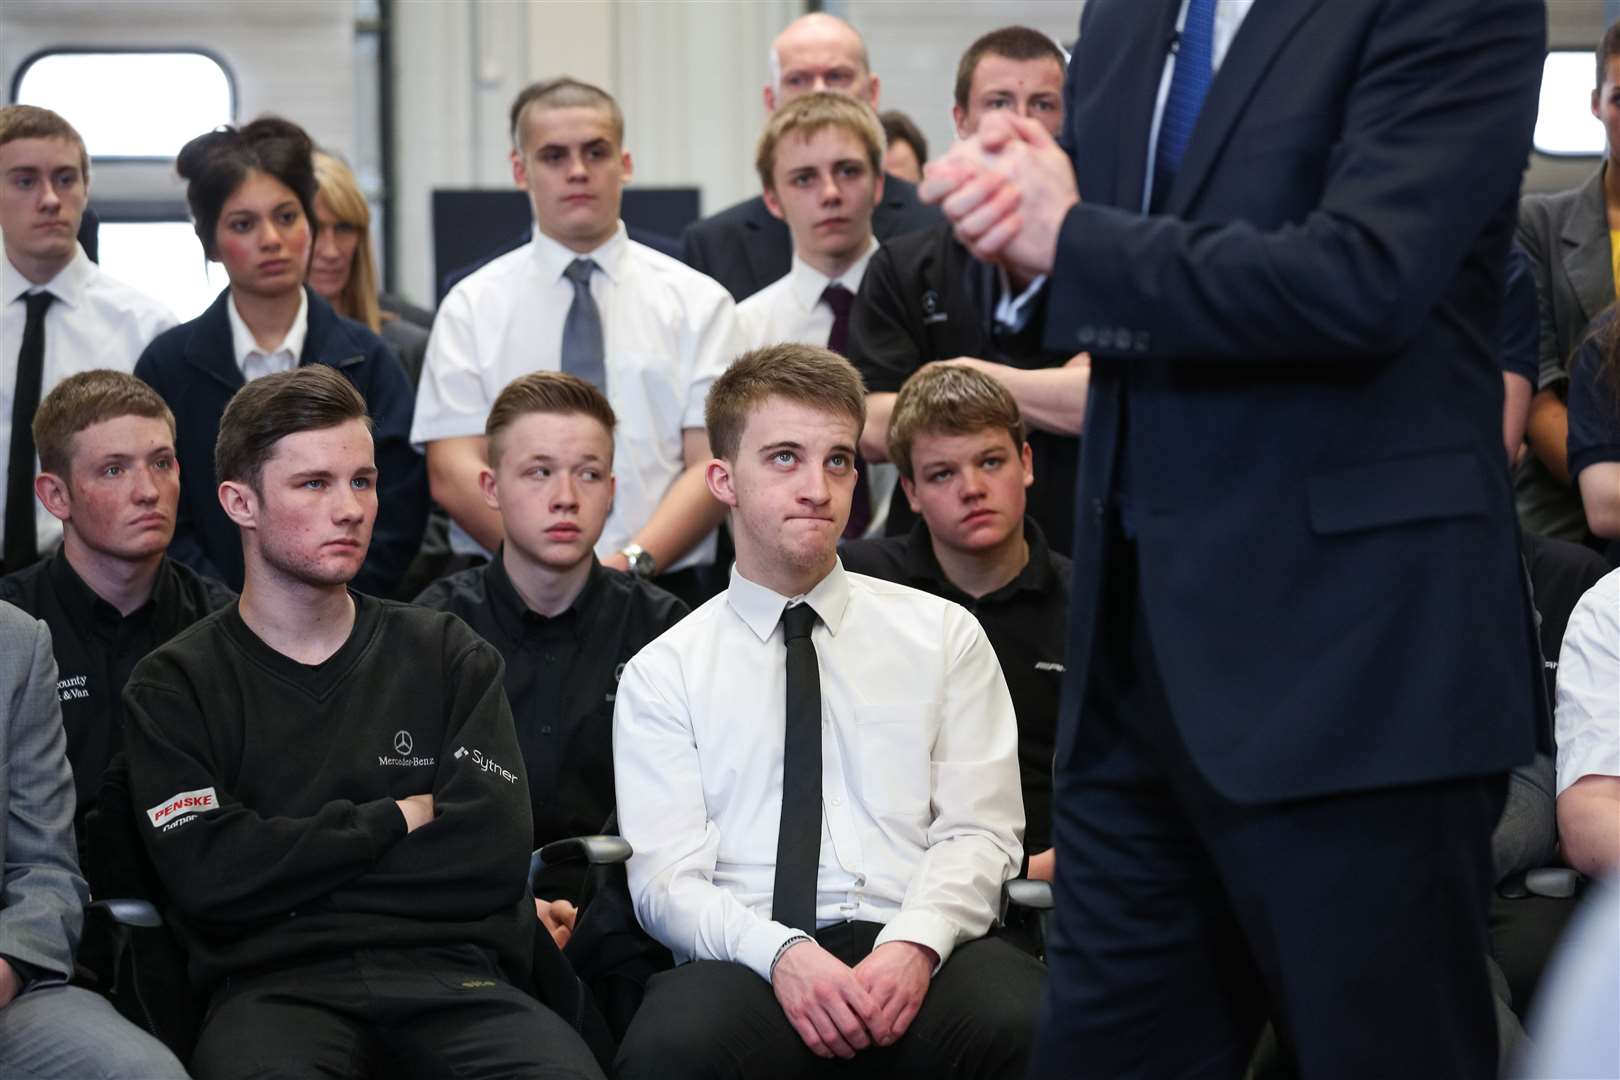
<point>744,247</point>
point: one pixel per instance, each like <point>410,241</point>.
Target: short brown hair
<point>807,374</point>
<point>554,392</point>
<point>1010,43</point>
<point>86,398</point>
<point>898,127</point>
<point>809,114</point>
<point>949,399</point>
<point>33,122</point>
<point>565,93</point>
<point>268,409</point>
<point>1608,46</point>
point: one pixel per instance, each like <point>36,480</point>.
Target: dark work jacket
<point>1295,399</point>
<point>745,248</point>
<point>193,366</point>
<point>924,298</point>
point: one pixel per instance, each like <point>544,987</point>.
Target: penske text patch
<point>182,805</point>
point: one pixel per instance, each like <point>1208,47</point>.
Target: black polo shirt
<point>1027,623</point>
<point>924,298</point>
<point>561,677</point>
<point>96,648</point>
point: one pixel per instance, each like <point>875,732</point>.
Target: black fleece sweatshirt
<point>265,788</point>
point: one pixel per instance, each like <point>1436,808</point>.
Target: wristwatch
<point>642,564</point>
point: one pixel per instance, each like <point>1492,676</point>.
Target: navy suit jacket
<point>745,247</point>
<point>1303,344</point>
<point>193,367</point>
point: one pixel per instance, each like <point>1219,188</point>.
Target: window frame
<point>233,95</point>
<point>1563,155</point>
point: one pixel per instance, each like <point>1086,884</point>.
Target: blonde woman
<point>341,269</point>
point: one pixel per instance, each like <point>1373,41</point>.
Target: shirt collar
<point>67,286</point>
<point>808,283</point>
<point>553,257</point>
<point>243,344</point>
<point>86,607</point>
<point>761,608</point>
<point>1036,575</point>
<point>510,607</point>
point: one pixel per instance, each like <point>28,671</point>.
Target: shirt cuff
<point>759,945</point>
<point>921,928</point>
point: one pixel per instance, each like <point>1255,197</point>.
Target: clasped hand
<point>838,1010</point>
<point>1005,191</point>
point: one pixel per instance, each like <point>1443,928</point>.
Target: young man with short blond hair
<point>959,442</point>
<point>109,594</point>
<point>59,312</point>
<point>818,773</point>
<point>564,623</point>
<point>583,298</point>
<point>820,160</point>
<point>333,793</point>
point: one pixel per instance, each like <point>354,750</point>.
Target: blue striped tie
<point>1189,85</point>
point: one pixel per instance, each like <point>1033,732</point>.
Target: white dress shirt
<point>668,332</point>
<point>791,309</point>
<point>1586,720</point>
<point>256,362</point>
<point>1229,15</point>
<point>96,321</point>
<point>922,815</point>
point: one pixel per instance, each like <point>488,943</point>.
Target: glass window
<point>164,260</point>
<point>1565,126</point>
<point>131,104</point>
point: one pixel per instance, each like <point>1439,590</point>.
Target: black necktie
<point>21,544</point>
<point>841,300</point>
<point>798,838</point>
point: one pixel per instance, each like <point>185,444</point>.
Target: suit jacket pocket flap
<point>1423,487</point>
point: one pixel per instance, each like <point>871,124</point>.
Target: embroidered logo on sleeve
<point>179,807</point>
<point>486,764</point>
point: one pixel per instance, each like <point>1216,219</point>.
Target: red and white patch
<point>183,805</point>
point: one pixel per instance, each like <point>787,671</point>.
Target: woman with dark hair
<point>1594,430</point>
<point>251,192</point>
<point>341,269</point>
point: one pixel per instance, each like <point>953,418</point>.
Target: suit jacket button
<point>1086,335</point>
<point>1097,509</point>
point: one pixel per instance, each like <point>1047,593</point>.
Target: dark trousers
<point>1355,921</point>
<point>412,1012</point>
<point>712,1019</point>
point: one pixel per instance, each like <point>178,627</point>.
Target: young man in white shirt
<point>820,162</point>
<point>1587,723</point>
<point>827,882</point>
<point>648,331</point>
<point>59,313</point>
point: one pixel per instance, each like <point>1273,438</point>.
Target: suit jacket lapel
<point>1264,31</point>
<point>1587,256</point>
<point>211,351</point>
<point>770,246</point>
<point>1138,96</point>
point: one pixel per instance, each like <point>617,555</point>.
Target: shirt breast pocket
<point>895,767</point>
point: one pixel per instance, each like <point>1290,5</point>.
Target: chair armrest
<point>1028,893</point>
<point>1552,882</point>
<point>591,850</point>
<point>128,912</point>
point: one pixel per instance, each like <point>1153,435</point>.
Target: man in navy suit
<point>1301,657</point>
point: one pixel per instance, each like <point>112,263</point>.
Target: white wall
<point>687,75</point>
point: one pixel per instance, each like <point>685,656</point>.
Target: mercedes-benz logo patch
<point>403,744</point>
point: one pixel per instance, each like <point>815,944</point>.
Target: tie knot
<point>838,298</point>
<point>37,303</point>
<point>579,271</point>
<point>797,621</point>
